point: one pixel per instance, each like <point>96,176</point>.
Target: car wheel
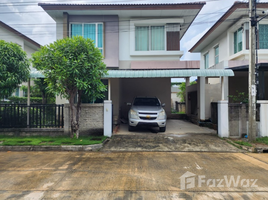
<point>162,129</point>
<point>131,128</point>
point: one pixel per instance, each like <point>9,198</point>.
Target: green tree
<point>182,93</point>
<point>72,66</point>
<point>14,67</point>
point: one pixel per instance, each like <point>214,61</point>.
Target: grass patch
<point>262,140</point>
<point>39,140</point>
<point>233,144</point>
<point>243,143</point>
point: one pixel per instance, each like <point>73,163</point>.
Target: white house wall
<point>10,37</point>
<point>59,28</point>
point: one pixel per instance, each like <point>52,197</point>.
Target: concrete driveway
<point>132,176</point>
<point>179,136</point>
<point>177,127</point>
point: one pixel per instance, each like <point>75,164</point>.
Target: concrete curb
<point>93,147</point>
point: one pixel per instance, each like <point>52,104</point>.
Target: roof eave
<point>196,5</point>
<point>217,24</point>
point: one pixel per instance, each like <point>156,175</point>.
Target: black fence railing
<point>40,116</point>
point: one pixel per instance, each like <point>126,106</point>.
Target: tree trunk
<point>78,111</point>
<point>73,115</point>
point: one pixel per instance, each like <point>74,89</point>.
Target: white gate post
<point>263,118</point>
<point>107,126</point>
<point>223,119</point>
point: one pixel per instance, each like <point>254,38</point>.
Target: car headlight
<point>162,115</point>
<point>133,114</point>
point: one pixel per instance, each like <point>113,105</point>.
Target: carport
<point>124,85</point>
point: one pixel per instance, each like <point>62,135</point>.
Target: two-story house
<point>9,34</point>
<point>140,44</point>
<point>226,46</point>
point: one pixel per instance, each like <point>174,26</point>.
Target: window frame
<point>259,37</point>
<point>150,38</point>
<point>96,33</point>
<point>236,43</point>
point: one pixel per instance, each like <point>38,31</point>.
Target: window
<point>263,36</point>
<point>238,40</point>
<point>216,50</point>
<point>206,61</point>
<point>91,31</point>
<point>150,38</point>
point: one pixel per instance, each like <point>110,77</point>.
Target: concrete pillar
<point>109,89</point>
<point>263,118</point>
<point>202,97</point>
<point>223,119</point>
<point>187,83</point>
<point>224,88</point>
<point>108,124</point>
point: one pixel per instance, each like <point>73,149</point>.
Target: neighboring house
<point>9,34</point>
<point>140,44</point>
<point>226,46</point>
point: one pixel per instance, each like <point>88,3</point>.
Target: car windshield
<point>146,102</point>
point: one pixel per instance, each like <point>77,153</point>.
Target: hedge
<point>23,100</point>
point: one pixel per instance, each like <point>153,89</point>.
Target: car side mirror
<point>128,104</point>
<point>163,104</point>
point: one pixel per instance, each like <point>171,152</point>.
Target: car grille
<point>145,118</point>
<point>145,113</point>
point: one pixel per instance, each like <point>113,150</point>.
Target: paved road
<point>136,175</point>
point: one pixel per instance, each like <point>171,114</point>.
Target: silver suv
<point>147,111</point>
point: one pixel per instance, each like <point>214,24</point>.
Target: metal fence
<point>39,115</point>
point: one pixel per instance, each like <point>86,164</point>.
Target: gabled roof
<point>236,12</point>
<point>2,24</point>
<point>188,11</point>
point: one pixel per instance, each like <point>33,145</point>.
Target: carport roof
<point>168,73</point>
<point>157,73</point>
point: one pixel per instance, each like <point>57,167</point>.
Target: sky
<point>31,20</point>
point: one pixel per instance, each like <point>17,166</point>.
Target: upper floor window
<point>206,61</point>
<point>150,38</point>
<point>93,31</point>
<point>263,36</point>
<point>216,50</point>
<point>238,40</point>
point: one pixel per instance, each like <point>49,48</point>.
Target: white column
<point>202,93</point>
<point>187,83</point>
<point>109,89</point>
<point>108,124</point>
<point>224,88</point>
<point>223,119</point>
<point>263,118</point>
